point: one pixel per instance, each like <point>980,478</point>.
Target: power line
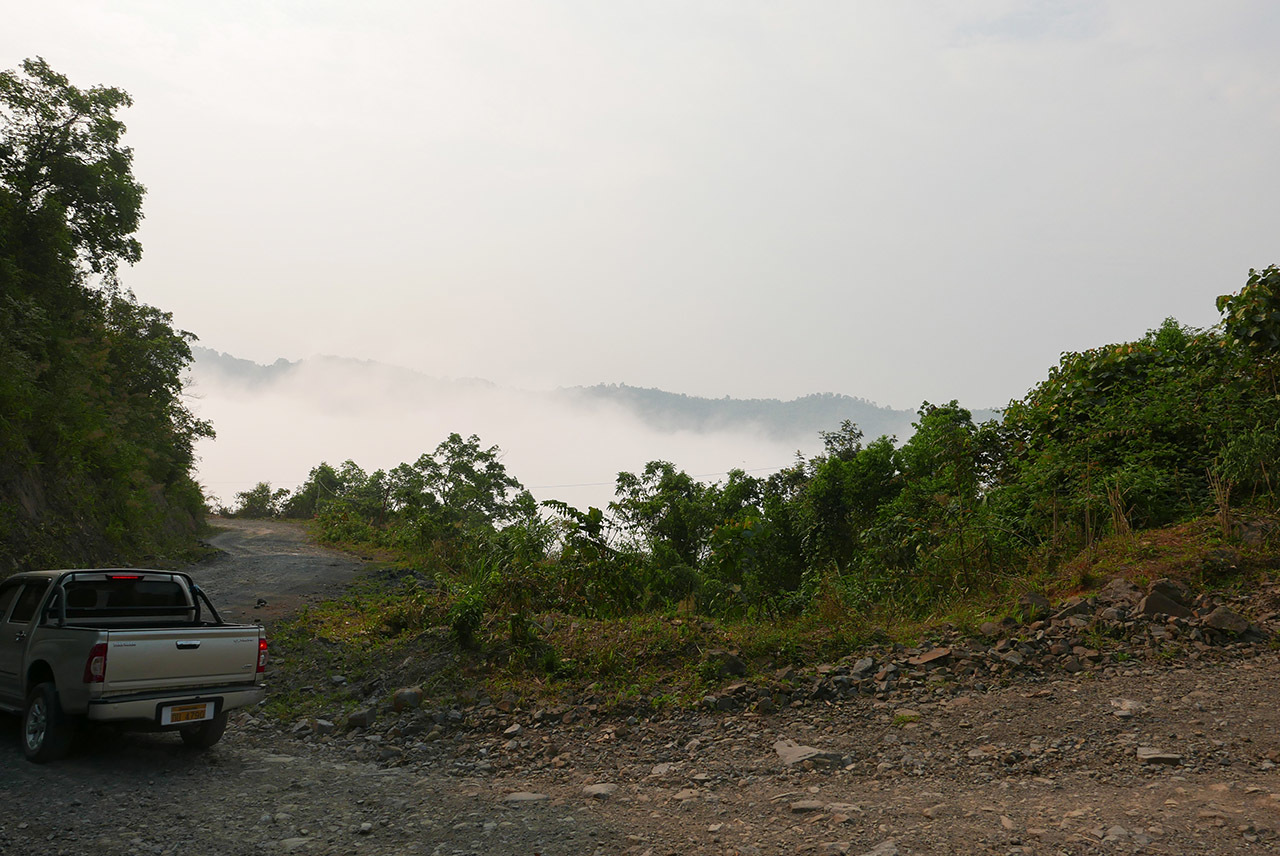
<point>694,475</point>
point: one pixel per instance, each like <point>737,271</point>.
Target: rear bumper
<point>146,707</point>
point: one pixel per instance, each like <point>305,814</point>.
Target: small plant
<point>1119,514</point>
<point>1222,499</point>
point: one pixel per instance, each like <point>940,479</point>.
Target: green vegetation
<point>1113,465</point>
<point>1176,432</point>
<point>95,442</point>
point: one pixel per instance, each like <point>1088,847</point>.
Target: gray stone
<point>803,806</point>
<point>1157,603</point>
<point>1228,620</point>
<point>521,797</point>
<point>1171,589</point>
<point>1127,708</point>
<point>1074,606</point>
<point>1120,590</point>
<point>793,753</point>
<point>1115,834</point>
<point>406,699</point>
<point>1151,755</point>
<point>933,658</point>
<point>362,718</point>
<point>600,791</point>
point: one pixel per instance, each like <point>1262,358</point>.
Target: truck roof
<point>53,574</point>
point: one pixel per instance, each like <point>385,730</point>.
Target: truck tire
<point>205,734</point>
<point>46,731</point>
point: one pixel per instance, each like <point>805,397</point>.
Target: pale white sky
<point>894,200</point>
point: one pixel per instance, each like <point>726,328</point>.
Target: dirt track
<point>1041,766</point>
<point>269,560</point>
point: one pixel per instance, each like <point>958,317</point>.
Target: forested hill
<point>799,419</point>
<point>222,368</point>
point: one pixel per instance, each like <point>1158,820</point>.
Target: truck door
<point>12,639</point>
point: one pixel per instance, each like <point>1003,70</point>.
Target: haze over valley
<point>275,422</point>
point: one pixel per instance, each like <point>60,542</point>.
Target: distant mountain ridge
<point>802,417</point>
<point>799,420</point>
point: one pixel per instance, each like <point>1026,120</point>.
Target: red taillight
<point>124,576</point>
<point>262,655</point>
<point>95,668</point>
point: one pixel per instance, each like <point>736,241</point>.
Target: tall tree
<point>96,444</point>
<point>64,170</point>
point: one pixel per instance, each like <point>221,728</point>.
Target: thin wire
<point>695,475</point>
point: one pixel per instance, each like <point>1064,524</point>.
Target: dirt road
<point>269,560</point>
<point>1173,757</point>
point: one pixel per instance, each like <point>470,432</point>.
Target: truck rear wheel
<point>205,734</point>
<point>46,733</point>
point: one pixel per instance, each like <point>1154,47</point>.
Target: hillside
<point>95,436</point>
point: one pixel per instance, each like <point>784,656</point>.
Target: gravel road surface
<point>1058,765</point>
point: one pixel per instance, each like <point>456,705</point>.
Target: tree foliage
<point>97,442</point>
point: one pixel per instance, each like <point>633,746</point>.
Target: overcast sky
<point>895,200</point>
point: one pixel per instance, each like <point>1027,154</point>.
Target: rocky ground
<point>1138,721</point>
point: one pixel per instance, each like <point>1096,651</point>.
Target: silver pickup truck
<point>142,649</point>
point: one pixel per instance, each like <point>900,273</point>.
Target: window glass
<point>7,593</point>
<point>124,596</point>
<point>25,607</point>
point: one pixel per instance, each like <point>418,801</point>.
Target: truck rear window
<point>120,596</point>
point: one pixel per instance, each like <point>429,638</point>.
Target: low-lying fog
<point>275,423</point>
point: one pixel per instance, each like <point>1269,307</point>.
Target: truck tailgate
<point>162,659</point>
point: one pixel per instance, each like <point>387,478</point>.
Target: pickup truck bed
<point>142,649</point>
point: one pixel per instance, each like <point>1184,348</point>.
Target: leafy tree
<point>323,484</point>
<point>1252,317</point>
<point>259,501</point>
<point>844,492</point>
<point>93,429</point>
<point>1251,320</point>
<point>666,510</point>
<point>67,180</point>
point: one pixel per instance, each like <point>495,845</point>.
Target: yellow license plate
<point>188,712</point>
